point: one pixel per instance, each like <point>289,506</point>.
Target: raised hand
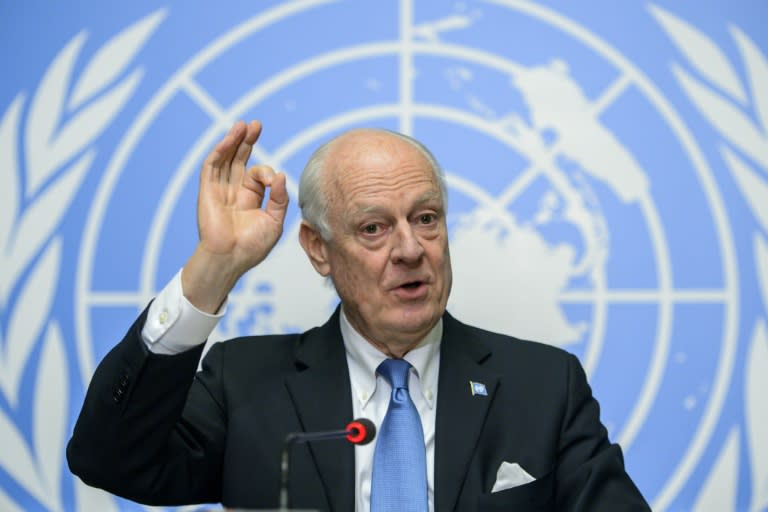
<point>237,228</point>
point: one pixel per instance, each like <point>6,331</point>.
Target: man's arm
<point>126,439</point>
<point>590,470</point>
<point>130,437</point>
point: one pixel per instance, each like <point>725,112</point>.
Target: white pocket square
<point>510,475</point>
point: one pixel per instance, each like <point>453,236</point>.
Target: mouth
<point>411,290</point>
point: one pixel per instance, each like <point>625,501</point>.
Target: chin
<point>420,322</point>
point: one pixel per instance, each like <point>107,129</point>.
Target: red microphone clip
<point>361,431</point>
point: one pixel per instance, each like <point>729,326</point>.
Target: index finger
<point>227,145</point>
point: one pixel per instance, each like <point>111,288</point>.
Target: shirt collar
<point>363,359</point>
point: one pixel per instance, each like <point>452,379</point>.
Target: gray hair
<point>313,199</point>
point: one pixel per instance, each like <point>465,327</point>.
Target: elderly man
<point>469,420</point>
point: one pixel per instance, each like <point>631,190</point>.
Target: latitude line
<point>615,296</point>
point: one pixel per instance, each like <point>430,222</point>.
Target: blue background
<point>711,306</point>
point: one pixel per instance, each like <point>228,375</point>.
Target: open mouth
<point>412,290</point>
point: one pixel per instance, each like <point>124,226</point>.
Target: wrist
<point>207,278</point>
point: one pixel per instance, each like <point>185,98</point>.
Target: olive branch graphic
<point>738,111</point>
<point>44,156</point>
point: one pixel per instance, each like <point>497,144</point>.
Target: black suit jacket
<point>154,431</point>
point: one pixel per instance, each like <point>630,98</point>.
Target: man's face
<point>388,256</point>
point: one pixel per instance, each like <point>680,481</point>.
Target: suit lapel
<point>460,414</point>
<point>320,391</point>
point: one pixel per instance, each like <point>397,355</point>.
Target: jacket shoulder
<point>504,344</point>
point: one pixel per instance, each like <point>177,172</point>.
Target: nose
<point>407,247</point>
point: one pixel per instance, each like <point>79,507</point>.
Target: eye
<point>371,229</point>
<point>427,218</point>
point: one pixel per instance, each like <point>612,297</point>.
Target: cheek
<point>442,265</point>
<point>448,277</point>
<point>440,257</point>
<point>357,273</point>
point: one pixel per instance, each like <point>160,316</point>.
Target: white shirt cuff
<point>173,324</point>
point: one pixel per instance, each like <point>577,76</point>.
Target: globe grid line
<point>612,92</point>
<point>715,402</point>
<point>514,189</point>
<point>626,295</point>
<point>664,327</point>
<point>200,96</point>
<point>406,67</point>
<point>572,296</point>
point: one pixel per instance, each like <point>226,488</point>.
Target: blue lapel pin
<point>478,389</point>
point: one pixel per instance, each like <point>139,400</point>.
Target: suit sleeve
<point>135,437</point>
<point>590,470</point>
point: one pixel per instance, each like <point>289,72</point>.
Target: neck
<point>394,345</point>
<point>394,350</point>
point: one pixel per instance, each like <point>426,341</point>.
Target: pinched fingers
<point>257,179</point>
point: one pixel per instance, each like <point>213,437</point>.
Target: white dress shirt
<point>370,399</point>
<point>174,325</point>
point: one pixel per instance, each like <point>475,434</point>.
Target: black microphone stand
<point>360,431</point>
<point>299,438</point>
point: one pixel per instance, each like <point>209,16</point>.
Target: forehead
<point>371,163</point>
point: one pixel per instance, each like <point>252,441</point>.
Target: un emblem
<point>583,212</point>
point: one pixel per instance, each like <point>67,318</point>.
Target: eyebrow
<point>426,197</point>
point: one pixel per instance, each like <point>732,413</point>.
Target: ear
<point>315,247</point>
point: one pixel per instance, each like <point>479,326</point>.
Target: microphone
<point>359,431</point>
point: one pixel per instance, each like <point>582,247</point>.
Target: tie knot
<point>396,372</point>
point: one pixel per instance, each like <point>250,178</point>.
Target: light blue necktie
<point>399,480</point>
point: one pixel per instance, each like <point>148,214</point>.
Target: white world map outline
<point>406,109</point>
